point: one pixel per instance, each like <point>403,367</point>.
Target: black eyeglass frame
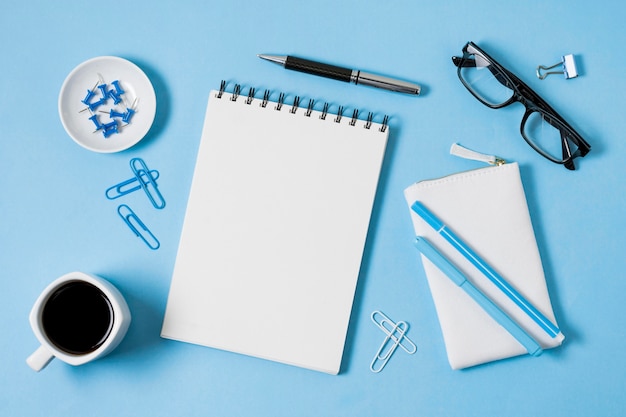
<point>523,94</point>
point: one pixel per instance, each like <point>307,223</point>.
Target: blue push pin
<point>95,121</point>
<point>112,113</point>
<point>127,115</point>
<point>103,90</point>
<point>96,104</point>
<point>109,129</point>
<point>88,97</point>
<point>118,89</point>
<point>115,96</point>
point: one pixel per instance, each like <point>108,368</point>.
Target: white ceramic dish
<point>134,83</point>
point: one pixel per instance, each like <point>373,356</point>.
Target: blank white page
<point>274,232</point>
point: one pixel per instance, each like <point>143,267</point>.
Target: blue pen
<point>493,310</point>
<point>488,271</point>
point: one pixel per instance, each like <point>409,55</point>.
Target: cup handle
<point>39,359</point>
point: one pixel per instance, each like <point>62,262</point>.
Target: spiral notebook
<point>275,229</point>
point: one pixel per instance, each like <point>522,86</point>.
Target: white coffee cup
<point>78,318</point>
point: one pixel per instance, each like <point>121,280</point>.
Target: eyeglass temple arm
<point>460,62</point>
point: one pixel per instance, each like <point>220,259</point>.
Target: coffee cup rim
<point>112,294</point>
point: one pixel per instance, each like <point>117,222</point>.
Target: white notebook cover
<point>274,232</point>
<point>487,209</point>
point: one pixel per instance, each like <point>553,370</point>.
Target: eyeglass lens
<point>546,135</point>
<point>478,75</point>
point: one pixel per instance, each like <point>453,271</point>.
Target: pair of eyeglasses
<point>496,87</point>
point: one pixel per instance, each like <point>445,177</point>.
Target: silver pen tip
<point>273,58</point>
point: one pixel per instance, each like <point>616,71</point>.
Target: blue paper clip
<point>396,336</point>
<point>128,186</point>
<point>138,227</point>
<point>147,182</point>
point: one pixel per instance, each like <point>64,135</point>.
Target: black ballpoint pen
<point>343,74</point>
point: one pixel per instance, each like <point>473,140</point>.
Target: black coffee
<point>77,317</point>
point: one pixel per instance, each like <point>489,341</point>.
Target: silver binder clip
<point>568,68</point>
<point>396,336</point>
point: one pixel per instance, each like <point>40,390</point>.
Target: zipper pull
<point>462,152</point>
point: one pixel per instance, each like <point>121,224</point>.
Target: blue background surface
<point>54,217</point>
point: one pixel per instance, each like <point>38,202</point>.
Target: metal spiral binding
<point>281,100</point>
<point>296,105</point>
<point>355,116</point>
<point>266,98</point>
<point>250,96</point>
<point>222,89</point>
<point>339,114</point>
<point>368,122</point>
<point>236,93</point>
<point>384,126</point>
<point>324,112</point>
<point>309,108</point>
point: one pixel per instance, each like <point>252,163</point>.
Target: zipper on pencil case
<point>465,153</point>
